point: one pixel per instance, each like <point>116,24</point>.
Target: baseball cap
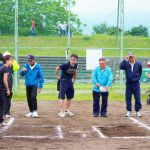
<point>6,53</point>
<point>130,54</point>
<point>30,57</point>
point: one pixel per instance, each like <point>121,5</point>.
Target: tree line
<point>112,30</point>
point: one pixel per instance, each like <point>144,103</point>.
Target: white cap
<point>6,53</point>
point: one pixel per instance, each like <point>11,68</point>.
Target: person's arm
<point>94,79</point>
<point>23,70</point>
<point>41,80</point>
<point>122,65</point>
<point>110,79</point>
<point>57,71</point>
<point>5,80</point>
<point>74,76</point>
<point>140,70</point>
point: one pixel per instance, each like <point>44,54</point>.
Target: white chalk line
<point>132,137</point>
<point>139,123</point>
<point>100,134</point>
<point>8,125</point>
<point>59,132</point>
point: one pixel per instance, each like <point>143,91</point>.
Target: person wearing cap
<point>34,82</point>
<point>8,98</point>
<point>133,72</point>
<point>102,80</point>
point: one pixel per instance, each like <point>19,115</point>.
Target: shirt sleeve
<point>110,78</point>
<point>6,70</point>
<point>62,67</point>
<point>94,75</point>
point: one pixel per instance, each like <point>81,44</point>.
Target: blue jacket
<point>131,76</point>
<point>34,77</point>
<point>104,78</point>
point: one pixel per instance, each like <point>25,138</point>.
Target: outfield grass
<point>78,44</point>
<point>82,92</point>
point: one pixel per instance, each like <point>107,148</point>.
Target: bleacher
<point>49,64</point>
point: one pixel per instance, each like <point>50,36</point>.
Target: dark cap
<point>30,57</point>
<point>102,59</point>
<point>130,54</point>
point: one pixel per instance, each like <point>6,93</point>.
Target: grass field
<point>82,92</point>
<point>55,46</point>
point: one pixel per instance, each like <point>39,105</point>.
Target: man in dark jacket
<point>133,71</point>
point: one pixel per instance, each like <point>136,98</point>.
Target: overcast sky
<point>92,12</point>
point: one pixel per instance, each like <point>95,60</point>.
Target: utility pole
<point>121,30</point>
<point>69,29</point>
<point>16,46</point>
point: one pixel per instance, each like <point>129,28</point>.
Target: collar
<point>32,67</point>
<point>101,69</point>
<point>132,63</point>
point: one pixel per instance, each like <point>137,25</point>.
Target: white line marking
<point>28,137</point>
<point>59,132</point>
<point>139,123</point>
<point>132,137</point>
<point>8,125</point>
<point>101,135</point>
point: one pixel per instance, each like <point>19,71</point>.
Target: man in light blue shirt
<point>102,80</point>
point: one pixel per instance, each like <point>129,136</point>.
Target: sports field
<point>80,132</point>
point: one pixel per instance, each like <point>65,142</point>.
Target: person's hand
<point>39,90</point>
<point>57,77</point>
<point>107,87</point>
<point>8,93</point>
<point>127,58</point>
<point>24,69</point>
<point>98,85</point>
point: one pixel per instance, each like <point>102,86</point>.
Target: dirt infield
<point>80,132</point>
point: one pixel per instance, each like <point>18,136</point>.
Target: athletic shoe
<point>104,115</point>
<point>95,115</point>
<point>3,124</point>
<point>138,114</point>
<point>29,114</point>
<point>35,114</point>
<point>69,113</point>
<point>61,114</point>
<point>8,116</point>
<point>128,114</point>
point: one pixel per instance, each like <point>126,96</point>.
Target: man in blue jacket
<point>133,71</point>
<point>34,82</point>
<point>102,80</point>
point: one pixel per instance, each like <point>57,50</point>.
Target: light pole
<point>69,30</point>
<point>16,46</point>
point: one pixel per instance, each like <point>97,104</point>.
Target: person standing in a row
<point>102,80</point>
<point>34,82</point>
<point>133,70</point>
<point>4,73</point>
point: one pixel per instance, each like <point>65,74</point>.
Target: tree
<point>112,30</point>
<point>139,31</point>
<point>46,14</point>
<point>100,29</point>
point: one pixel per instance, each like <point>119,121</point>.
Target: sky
<point>93,12</point>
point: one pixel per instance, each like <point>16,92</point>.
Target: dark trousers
<point>96,103</point>
<point>133,88</point>
<point>31,93</point>
<point>2,105</point>
<point>7,103</point>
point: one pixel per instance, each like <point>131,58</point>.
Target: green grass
<point>78,44</point>
<point>49,92</point>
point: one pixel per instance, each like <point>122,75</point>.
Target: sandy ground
<point>77,131</point>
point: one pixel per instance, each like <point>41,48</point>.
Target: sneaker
<point>3,124</point>
<point>8,116</point>
<point>138,114</point>
<point>69,113</point>
<point>29,114</point>
<point>61,114</point>
<point>35,114</point>
<point>104,115</point>
<point>128,114</point>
